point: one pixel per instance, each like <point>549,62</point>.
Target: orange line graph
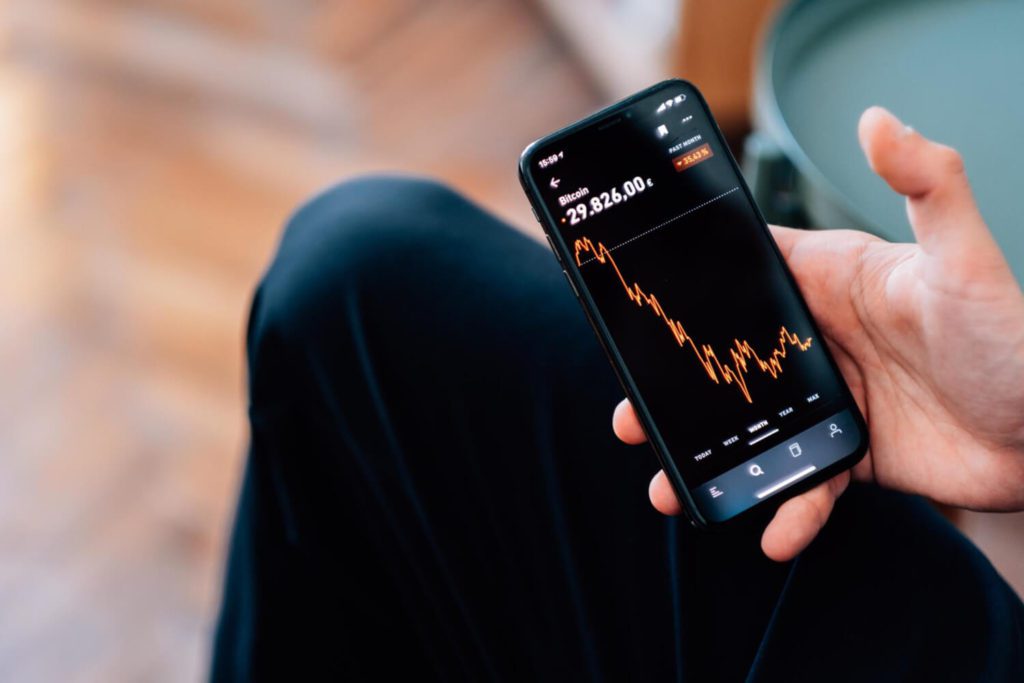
<point>743,357</point>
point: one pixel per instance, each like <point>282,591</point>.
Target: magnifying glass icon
<point>755,470</point>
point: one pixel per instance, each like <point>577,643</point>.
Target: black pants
<point>434,492</point>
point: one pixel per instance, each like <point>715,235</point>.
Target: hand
<point>929,336</point>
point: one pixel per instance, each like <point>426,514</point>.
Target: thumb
<point>931,176</point>
<point>799,519</point>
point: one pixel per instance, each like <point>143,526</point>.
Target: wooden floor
<point>150,151</point>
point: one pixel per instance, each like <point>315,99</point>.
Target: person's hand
<point>929,336</point>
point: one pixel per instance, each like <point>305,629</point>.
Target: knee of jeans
<point>347,237</point>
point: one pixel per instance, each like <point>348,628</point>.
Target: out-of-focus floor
<point>149,152</point>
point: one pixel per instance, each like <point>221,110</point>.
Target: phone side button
<point>571,283</point>
<point>553,250</point>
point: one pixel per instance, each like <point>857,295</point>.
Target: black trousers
<point>433,491</point>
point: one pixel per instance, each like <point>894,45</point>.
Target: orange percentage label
<point>693,157</point>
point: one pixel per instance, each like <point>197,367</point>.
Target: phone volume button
<point>571,283</point>
<point>553,250</point>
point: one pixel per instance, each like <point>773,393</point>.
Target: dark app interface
<point>696,301</point>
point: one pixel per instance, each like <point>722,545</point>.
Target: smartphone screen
<point>660,238</point>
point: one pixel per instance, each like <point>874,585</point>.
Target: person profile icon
<point>834,429</point>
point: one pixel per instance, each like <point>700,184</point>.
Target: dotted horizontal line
<point>659,226</point>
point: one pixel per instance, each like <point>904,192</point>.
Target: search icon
<point>755,470</point>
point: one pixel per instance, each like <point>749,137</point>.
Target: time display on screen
<point>550,160</point>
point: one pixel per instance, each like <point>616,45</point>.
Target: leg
<point>432,474</point>
<point>432,464</point>
<point>892,592</point>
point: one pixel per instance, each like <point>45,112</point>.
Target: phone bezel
<point>563,254</point>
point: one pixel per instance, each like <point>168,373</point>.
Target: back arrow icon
<point>554,183</point>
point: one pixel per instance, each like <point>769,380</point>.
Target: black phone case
<point>759,511</point>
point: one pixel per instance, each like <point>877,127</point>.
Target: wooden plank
<point>716,49</point>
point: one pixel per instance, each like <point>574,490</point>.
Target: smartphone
<point>663,246</point>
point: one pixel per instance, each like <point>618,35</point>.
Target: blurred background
<point>152,149</point>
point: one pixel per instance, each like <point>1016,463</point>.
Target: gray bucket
<point>953,69</point>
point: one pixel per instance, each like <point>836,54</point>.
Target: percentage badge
<point>693,157</point>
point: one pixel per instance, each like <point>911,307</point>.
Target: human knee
<point>361,212</point>
<point>352,233</point>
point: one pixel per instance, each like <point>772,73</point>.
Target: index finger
<point>626,425</point>
<point>786,238</point>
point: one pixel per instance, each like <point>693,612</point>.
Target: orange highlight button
<point>693,157</point>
